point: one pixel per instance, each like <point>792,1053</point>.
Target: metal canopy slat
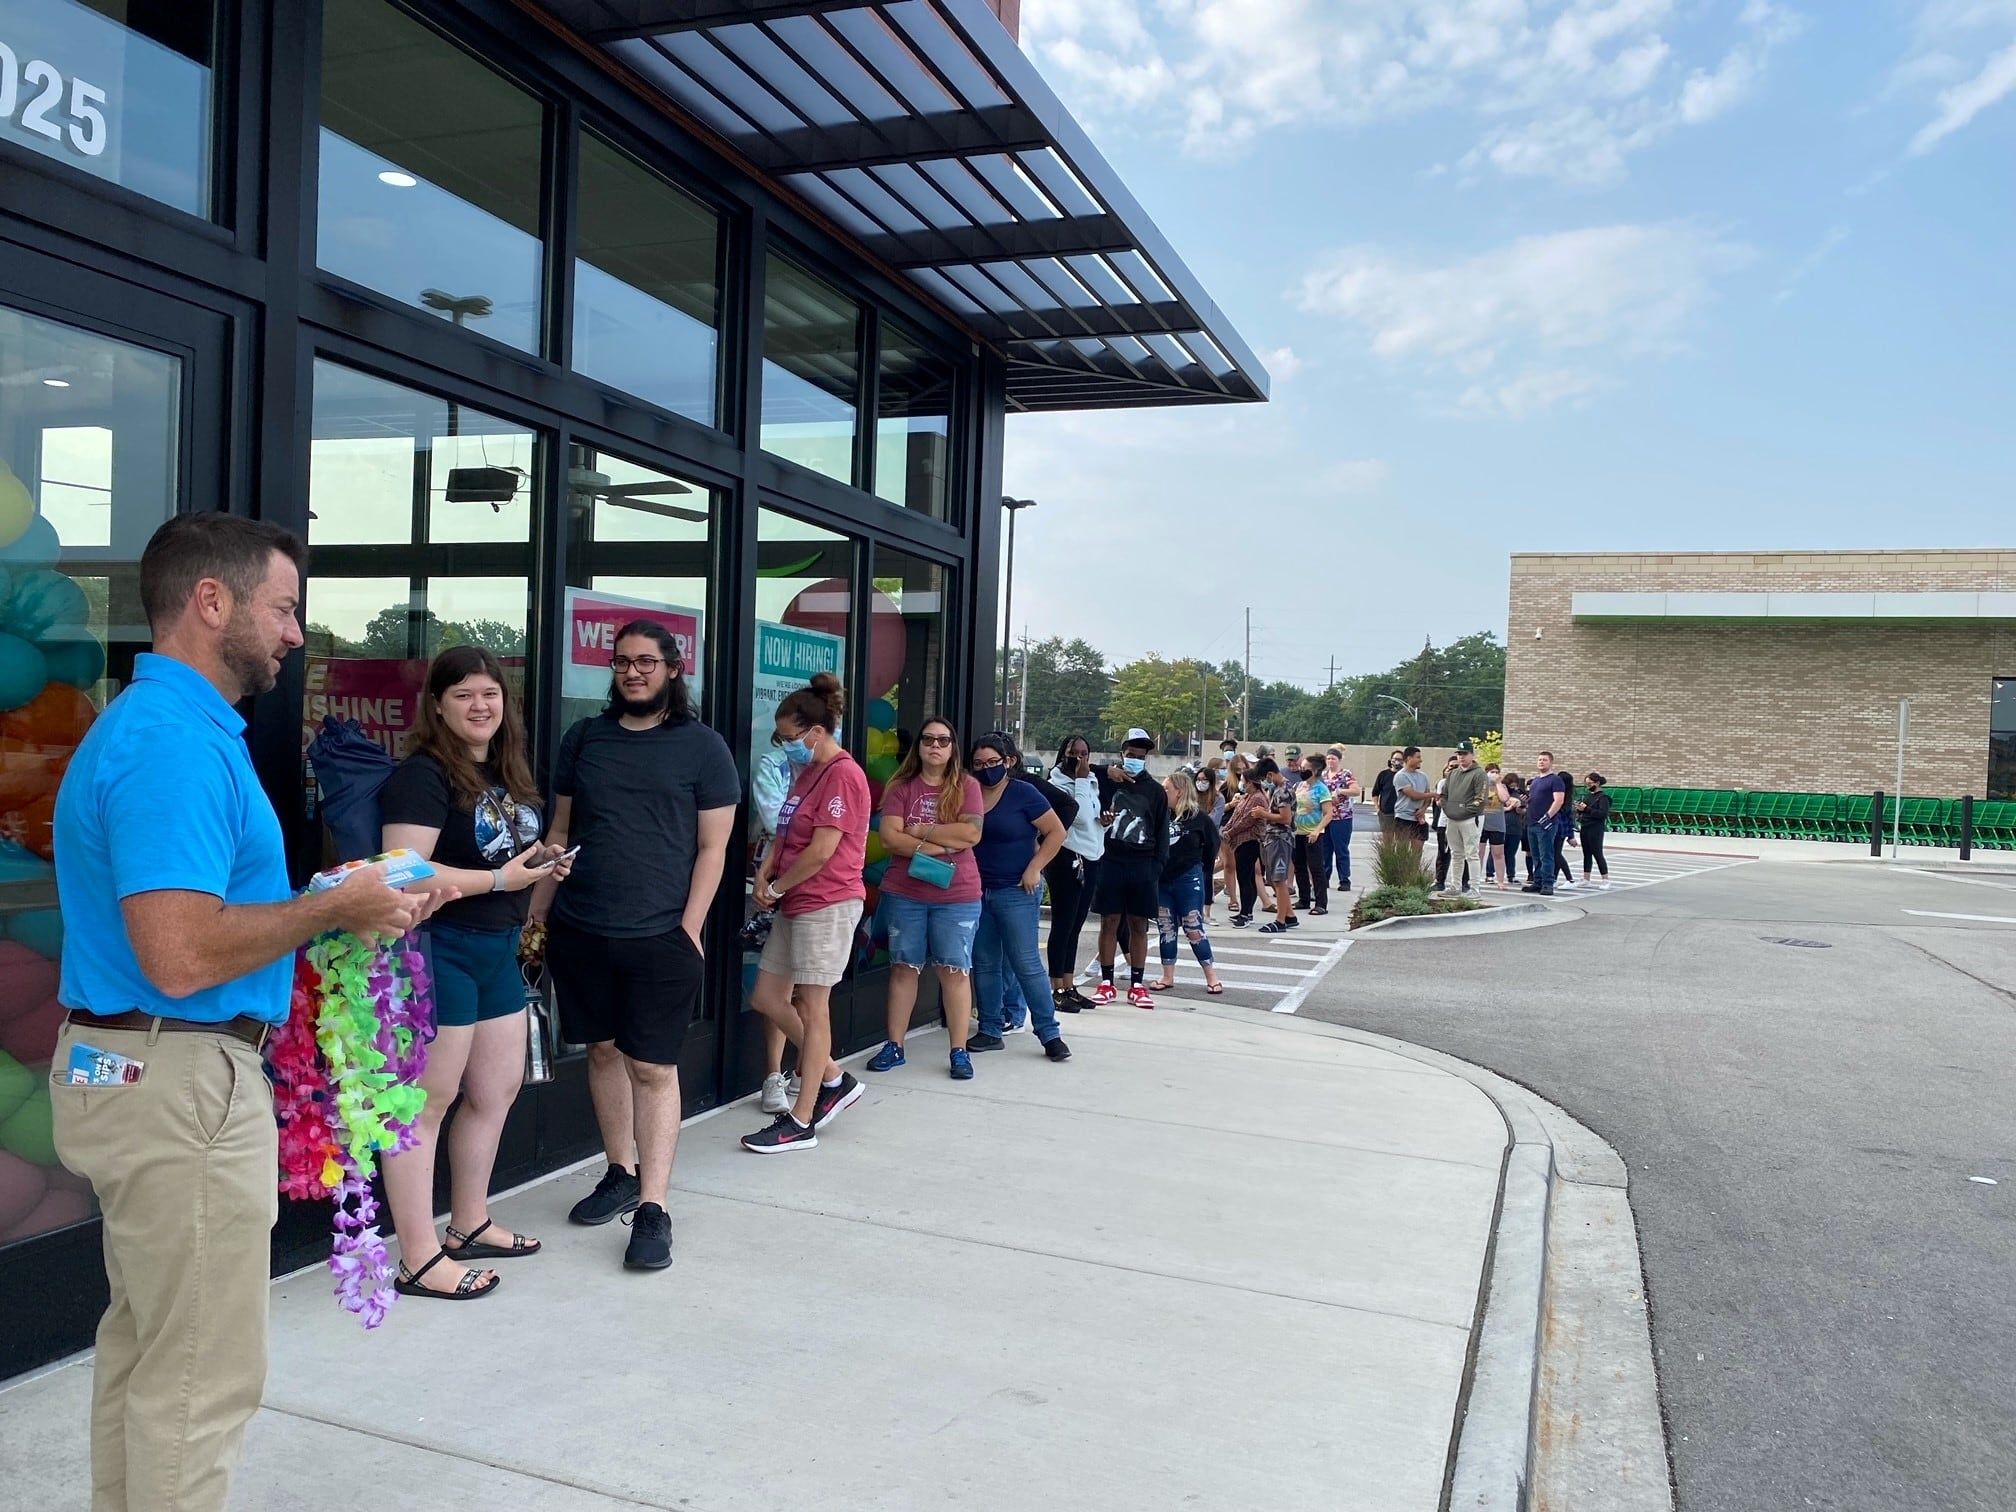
<point>918,128</point>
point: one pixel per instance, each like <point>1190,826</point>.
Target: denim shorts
<point>475,975</point>
<point>935,934</point>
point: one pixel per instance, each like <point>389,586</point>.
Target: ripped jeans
<point>930,934</point>
<point>1182,917</point>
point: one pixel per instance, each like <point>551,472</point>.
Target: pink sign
<point>592,622</point>
<point>381,693</point>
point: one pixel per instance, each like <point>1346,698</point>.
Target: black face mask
<point>990,776</point>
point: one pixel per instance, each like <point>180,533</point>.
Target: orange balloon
<point>25,775</point>
<point>54,719</point>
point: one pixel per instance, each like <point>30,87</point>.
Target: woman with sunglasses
<point>932,815</point>
<point>1021,835</point>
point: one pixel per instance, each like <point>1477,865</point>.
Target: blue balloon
<point>38,546</point>
<point>23,671</point>
<point>19,864</point>
<point>79,662</point>
<point>41,930</point>
<point>43,600</point>
<point>881,715</point>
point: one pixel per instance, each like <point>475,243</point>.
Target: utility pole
<point>1246,698</point>
<point>1421,682</point>
<point>1022,701</point>
<point>1331,686</point>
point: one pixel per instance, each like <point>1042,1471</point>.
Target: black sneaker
<point>1057,1050</point>
<point>650,1239</point>
<point>978,1042</point>
<point>783,1136</point>
<point>615,1193</point>
<point>1065,1002</point>
<point>833,1101</point>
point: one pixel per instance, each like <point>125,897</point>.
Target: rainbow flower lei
<point>346,1069</point>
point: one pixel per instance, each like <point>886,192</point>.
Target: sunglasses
<point>934,740</point>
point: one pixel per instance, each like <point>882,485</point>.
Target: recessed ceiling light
<point>398,180</point>
<point>56,383</point>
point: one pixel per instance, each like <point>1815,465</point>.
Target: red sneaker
<point>1138,996</point>
<point>1104,994</point>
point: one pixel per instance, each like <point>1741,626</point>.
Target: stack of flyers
<point>401,867</point>
<point>91,1067</point>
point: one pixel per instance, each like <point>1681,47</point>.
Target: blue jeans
<point>1339,838</point>
<point>938,934</point>
<point>1182,914</point>
<point>1005,942</point>
<point>1540,856</point>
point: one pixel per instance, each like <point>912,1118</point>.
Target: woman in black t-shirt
<point>464,798</point>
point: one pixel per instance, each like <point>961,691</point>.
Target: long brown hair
<point>952,791</point>
<point>507,746</point>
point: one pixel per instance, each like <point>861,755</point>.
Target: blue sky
<point>1531,275</point>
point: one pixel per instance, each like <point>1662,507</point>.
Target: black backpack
<point>351,769</point>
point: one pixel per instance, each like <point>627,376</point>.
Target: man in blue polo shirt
<point>179,931</point>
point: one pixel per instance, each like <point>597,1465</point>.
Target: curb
<point>1515,916</point>
<point>1496,1438</point>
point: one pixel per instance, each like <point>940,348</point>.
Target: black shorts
<point>1130,885</point>
<point>641,993</point>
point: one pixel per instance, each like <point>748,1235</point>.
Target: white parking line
<point>1970,918</point>
<point>1295,999</point>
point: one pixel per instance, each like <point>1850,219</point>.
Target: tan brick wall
<point>1805,708</point>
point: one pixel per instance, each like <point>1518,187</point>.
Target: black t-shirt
<point>1596,810</point>
<point>637,797</point>
<point>478,837</point>
<point>1383,795</point>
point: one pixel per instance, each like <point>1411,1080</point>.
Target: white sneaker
<point>777,1093</point>
<point>1008,1029</point>
<point>1564,882</point>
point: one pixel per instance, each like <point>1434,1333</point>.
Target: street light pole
<point>1014,507</point>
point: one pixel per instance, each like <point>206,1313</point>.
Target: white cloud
<point>1960,104</point>
<point>1803,269</point>
<point>1504,318</point>
<point>1282,364</point>
<point>1966,51</point>
<point>1566,89</point>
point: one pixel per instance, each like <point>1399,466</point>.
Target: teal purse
<point>933,869</point>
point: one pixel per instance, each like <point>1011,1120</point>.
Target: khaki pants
<point>1463,850</point>
<point>185,1165</point>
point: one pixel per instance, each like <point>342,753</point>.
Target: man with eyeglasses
<point>648,794</point>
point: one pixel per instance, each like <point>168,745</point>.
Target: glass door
<point>104,391</point>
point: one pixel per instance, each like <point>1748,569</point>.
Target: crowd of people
<point>1486,818</point>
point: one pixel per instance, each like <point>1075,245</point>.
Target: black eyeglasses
<point>934,740</point>
<point>645,664</point>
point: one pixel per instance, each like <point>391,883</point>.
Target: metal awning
<point>921,129</point>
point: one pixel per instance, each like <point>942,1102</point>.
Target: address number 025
<point>36,90</point>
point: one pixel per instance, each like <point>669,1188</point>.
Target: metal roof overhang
<point>921,130</point>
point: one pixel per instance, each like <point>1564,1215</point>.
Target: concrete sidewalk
<point>1208,1263</point>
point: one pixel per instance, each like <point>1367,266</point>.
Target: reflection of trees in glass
<point>389,634</point>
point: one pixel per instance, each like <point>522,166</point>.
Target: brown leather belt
<point>250,1030</point>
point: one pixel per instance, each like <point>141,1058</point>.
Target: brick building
<point>1767,670</point>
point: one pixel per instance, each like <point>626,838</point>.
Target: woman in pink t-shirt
<point>812,878</point>
<point>931,817</point>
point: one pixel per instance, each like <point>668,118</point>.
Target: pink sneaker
<point>1104,994</point>
<point>1138,996</point>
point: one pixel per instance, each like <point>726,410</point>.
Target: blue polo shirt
<point>161,796</point>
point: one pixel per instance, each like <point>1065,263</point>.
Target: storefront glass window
<point>118,90</point>
<point>431,166</point>
<point>640,545</point>
<point>2002,740</point>
<point>913,423</point>
<point>420,517</point>
<point>804,625</point>
<point>89,433</point>
<point>811,372</point>
<point>647,285</point>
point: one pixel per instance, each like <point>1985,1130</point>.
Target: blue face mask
<point>1134,766</point>
<point>989,776</point>
<point>797,752</point>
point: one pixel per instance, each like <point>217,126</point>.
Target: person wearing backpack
<point>464,798</point>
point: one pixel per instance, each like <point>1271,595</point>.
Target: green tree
<point>1167,699</point>
<point>1067,693</point>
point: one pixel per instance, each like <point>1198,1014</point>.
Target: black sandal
<point>466,1247</point>
<point>468,1289</point>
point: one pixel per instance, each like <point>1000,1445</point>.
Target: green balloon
<point>17,1083</point>
<point>27,1132</point>
<point>882,768</point>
